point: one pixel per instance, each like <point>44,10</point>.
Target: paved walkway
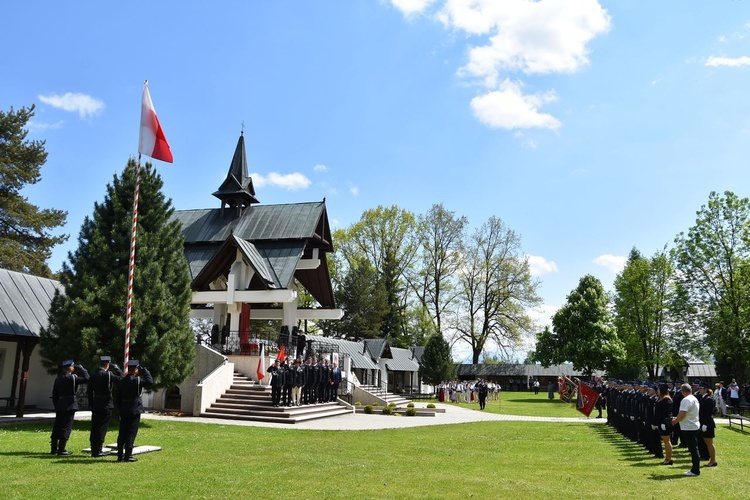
<point>349,422</point>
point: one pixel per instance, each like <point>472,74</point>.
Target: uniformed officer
<point>100,401</point>
<point>66,404</point>
<point>324,381</point>
<point>335,381</point>
<point>130,406</point>
<point>277,382</point>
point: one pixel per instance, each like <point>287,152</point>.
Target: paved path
<point>351,422</point>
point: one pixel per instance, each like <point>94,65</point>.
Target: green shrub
<point>358,403</point>
<point>410,405</point>
<point>392,404</point>
<point>387,410</point>
<point>368,409</point>
<point>430,405</point>
<point>411,412</point>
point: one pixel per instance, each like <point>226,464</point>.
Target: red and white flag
<point>151,141</point>
<point>261,370</point>
<point>282,353</point>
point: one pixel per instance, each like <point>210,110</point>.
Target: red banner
<point>586,399</point>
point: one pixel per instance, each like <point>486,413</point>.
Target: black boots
<point>128,457</point>
<point>53,447</point>
<point>61,451</point>
<point>96,450</point>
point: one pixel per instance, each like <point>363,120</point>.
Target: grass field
<point>474,460</point>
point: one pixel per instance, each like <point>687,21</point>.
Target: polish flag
<point>261,370</point>
<point>151,141</point>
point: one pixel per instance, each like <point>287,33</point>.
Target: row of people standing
<point>297,383</point>
<point>102,399</point>
<point>457,391</point>
<point>656,417</point>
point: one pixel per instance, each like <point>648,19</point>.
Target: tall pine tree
<point>89,319</point>
<point>25,230</point>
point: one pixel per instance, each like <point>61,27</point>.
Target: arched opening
<point>173,399</point>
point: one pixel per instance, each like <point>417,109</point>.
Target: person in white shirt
<point>734,396</point>
<point>689,420</point>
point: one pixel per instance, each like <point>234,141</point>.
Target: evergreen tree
<point>25,239</point>
<point>89,319</point>
<point>437,363</point>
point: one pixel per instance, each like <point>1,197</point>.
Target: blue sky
<point>588,127</point>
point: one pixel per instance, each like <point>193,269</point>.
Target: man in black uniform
<point>100,401</point>
<point>66,404</point>
<point>324,381</point>
<point>481,388</point>
<point>335,381</point>
<point>130,405</point>
<point>277,382</point>
<point>288,383</point>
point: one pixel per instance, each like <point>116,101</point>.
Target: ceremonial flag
<point>151,141</point>
<point>586,399</point>
<point>567,389</point>
<point>261,370</point>
<point>282,354</point>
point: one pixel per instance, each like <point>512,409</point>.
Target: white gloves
<point>653,427</point>
<point>663,427</point>
<point>704,428</point>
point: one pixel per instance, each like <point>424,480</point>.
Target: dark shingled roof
<point>24,304</point>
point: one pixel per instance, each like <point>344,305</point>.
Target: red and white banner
<point>151,141</point>
<point>261,370</point>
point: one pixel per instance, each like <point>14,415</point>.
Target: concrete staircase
<point>248,400</point>
<point>388,397</point>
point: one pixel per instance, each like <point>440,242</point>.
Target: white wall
<point>39,385</point>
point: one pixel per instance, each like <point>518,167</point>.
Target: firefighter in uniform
<point>66,404</point>
<point>100,401</point>
<point>130,406</point>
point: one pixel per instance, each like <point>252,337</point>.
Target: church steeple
<point>237,189</point>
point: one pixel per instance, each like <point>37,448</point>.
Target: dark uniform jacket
<point>706,411</point>
<point>277,376</point>
<point>300,376</point>
<point>65,387</point>
<point>100,388</point>
<point>129,391</point>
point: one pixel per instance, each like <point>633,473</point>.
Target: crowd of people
<point>461,391</point>
<point>299,383</point>
<point>663,416</point>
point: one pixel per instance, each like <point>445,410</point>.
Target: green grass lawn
<point>529,404</point>
<point>474,460</point>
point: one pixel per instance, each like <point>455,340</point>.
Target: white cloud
<point>36,126</point>
<point>508,108</point>
<point>539,265</point>
<point>613,263</point>
<point>85,105</point>
<point>354,190</point>
<point>526,36</point>
<point>728,61</point>
<point>409,7</point>
<point>547,36</point>
<point>542,315</point>
<point>290,182</point>
<point>320,168</point>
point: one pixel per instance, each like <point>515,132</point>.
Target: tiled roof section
<point>402,361</point>
<point>417,352</point>
<point>238,186</point>
<point>698,370</point>
<point>24,303</point>
<point>378,348</point>
<point>349,348</point>
<point>258,223</point>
